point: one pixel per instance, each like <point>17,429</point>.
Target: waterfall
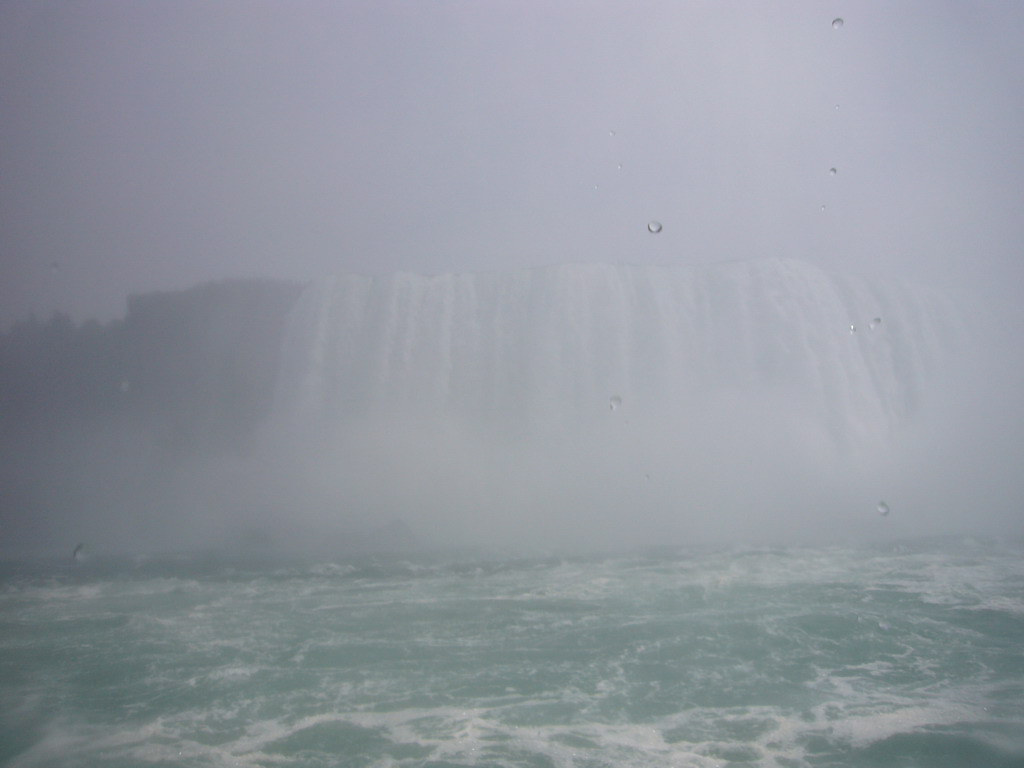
<point>551,346</point>
<point>582,391</point>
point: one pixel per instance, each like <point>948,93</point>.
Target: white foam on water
<point>860,727</point>
<point>998,603</point>
<point>482,736</point>
<point>66,742</point>
<point>333,569</point>
<point>233,673</point>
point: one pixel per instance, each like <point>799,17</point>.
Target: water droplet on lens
<point>614,402</point>
<point>853,329</point>
<point>823,209</point>
<point>831,171</point>
<point>875,323</point>
<point>654,227</point>
<point>611,133</point>
<point>126,385</point>
<point>837,23</point>
<point>620,166</point>
<point>837,107</point>
<point>883,509</point>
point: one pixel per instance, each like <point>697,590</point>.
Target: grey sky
<point>154,145</point>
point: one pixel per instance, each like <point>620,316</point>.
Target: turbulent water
<point>894,655</point>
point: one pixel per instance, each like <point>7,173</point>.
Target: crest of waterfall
<point>549,348</point>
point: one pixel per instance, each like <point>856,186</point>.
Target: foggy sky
<point>156,145</point>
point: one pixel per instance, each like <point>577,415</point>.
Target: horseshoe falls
<point>547,347</point>
<point>599,405</point>
<point>577,517</point>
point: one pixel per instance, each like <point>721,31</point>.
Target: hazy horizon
<point>151,147</point>
<point>577,408</point>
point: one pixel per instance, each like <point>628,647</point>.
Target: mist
<point>591,407</point>
<point>475,340</point>
<point>468,408</point>
<point>572,409</point>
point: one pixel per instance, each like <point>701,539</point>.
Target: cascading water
<point>552,345</point>
<point>571,378</point>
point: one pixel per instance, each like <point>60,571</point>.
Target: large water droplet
<point>614,402</point>
<point>853,329</point>
<point>832,171</point>
<point>654,227</point>
<point>875,323</point>
<point>883,509</point>
<point>837,23</point>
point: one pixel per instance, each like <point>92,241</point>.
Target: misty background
<point>173,153</point>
